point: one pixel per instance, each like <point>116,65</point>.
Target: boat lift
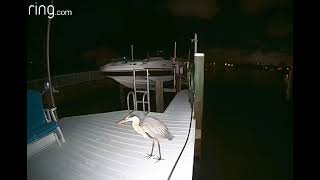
<point>145,91</point>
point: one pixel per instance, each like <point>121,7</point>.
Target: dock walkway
<point>97,149</point>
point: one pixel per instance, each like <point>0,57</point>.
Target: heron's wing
<point>156,128</point>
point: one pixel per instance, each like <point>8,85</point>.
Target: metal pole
<point>131,52</point>
<point>175,52</point>
<point>195,43</point>
<point>135,91</point>
<point>148,86</point>
<point>48,60</point>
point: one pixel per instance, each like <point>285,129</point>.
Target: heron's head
<point>129,118</point>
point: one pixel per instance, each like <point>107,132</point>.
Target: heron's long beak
<point>121,122</point>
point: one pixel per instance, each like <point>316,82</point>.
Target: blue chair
<point>40,122</point>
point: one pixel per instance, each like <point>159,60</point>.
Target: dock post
<point>159,96</point>
<point>198,99</point>
<point>178,77</point>
<point>122,96</point>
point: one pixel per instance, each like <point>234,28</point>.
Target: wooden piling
<point>159,96</point>
<point>178,77</point>
<point>198,99</point>
<point>122,96</point>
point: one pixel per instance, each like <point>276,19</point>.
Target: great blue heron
<point>150,128</point>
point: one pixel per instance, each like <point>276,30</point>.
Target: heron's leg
<point>149,155</point>
<point>159,157</point>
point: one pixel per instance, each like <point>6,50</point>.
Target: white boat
<point>119,68</point>
<point>129,66</point>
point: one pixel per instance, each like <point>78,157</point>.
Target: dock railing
<point>70,79</point>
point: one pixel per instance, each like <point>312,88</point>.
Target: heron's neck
<point>136,126</point>
<point>136,121</point>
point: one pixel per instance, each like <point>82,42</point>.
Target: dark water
<point>247,127</point>
<point>247,122</point>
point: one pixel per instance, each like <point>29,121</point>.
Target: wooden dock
<point>97,149</point>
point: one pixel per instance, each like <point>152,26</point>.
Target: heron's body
<point>155,128</point>
<point>150,128</point>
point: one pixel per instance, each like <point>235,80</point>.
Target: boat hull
<point>141,83</point>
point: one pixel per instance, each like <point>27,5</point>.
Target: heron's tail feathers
<point>170,136</point>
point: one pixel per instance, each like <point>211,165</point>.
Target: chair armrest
<point>50,114</point>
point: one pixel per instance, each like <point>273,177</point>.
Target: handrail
<point>134,101</point>
<point>143,106</point>
<point>145,93</point>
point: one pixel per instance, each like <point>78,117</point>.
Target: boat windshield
<point>124,59</point>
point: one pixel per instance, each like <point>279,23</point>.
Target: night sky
<point>107,28</point>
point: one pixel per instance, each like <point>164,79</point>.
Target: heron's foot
<point>158,159</point>
<point>148,156</point>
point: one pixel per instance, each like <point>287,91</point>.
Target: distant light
<point>30,62</point>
